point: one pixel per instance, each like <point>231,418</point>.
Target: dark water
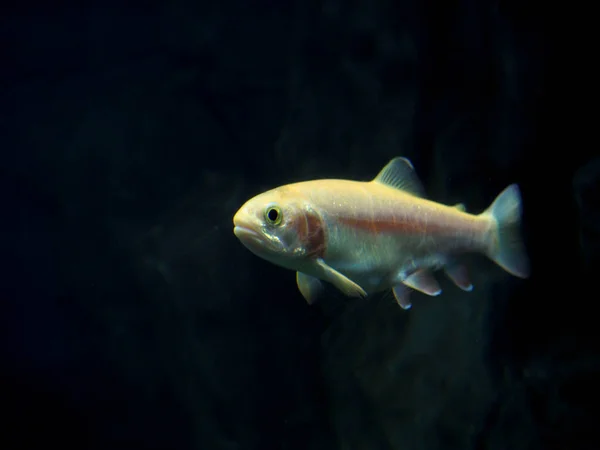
<point>132,318</point>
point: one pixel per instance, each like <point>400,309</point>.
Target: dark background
<point>131,317</point>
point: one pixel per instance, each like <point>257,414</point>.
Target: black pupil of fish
<point>272,215</point>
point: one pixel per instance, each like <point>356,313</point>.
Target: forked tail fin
<point>508,250</point>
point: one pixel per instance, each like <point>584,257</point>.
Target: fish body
<point>367,237</point>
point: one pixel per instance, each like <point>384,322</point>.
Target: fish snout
<point>244,230</point>
<point>241,219</point>
<point>236,218</point>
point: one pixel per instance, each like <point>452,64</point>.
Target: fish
<point>365,237</point>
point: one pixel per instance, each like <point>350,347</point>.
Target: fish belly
<point>377,263</point>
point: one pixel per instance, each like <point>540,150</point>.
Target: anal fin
<point>459,276</point>
<point>423,281</point>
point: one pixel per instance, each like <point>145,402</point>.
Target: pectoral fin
<point>310,287</point>
<point>343,283</point>
<point>423,281</point>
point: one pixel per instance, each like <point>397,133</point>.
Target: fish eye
<point>273,215</point>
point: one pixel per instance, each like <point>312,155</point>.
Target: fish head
<point>280,227</point>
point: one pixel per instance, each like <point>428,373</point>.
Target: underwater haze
<point>132,317</point>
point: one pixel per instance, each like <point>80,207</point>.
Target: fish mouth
<point>245,233</point>
<point>249,237</point>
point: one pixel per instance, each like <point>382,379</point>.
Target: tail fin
<point>508,250</point>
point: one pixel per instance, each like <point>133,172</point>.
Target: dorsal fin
<point>400,174</point>
<point>461,207</point>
